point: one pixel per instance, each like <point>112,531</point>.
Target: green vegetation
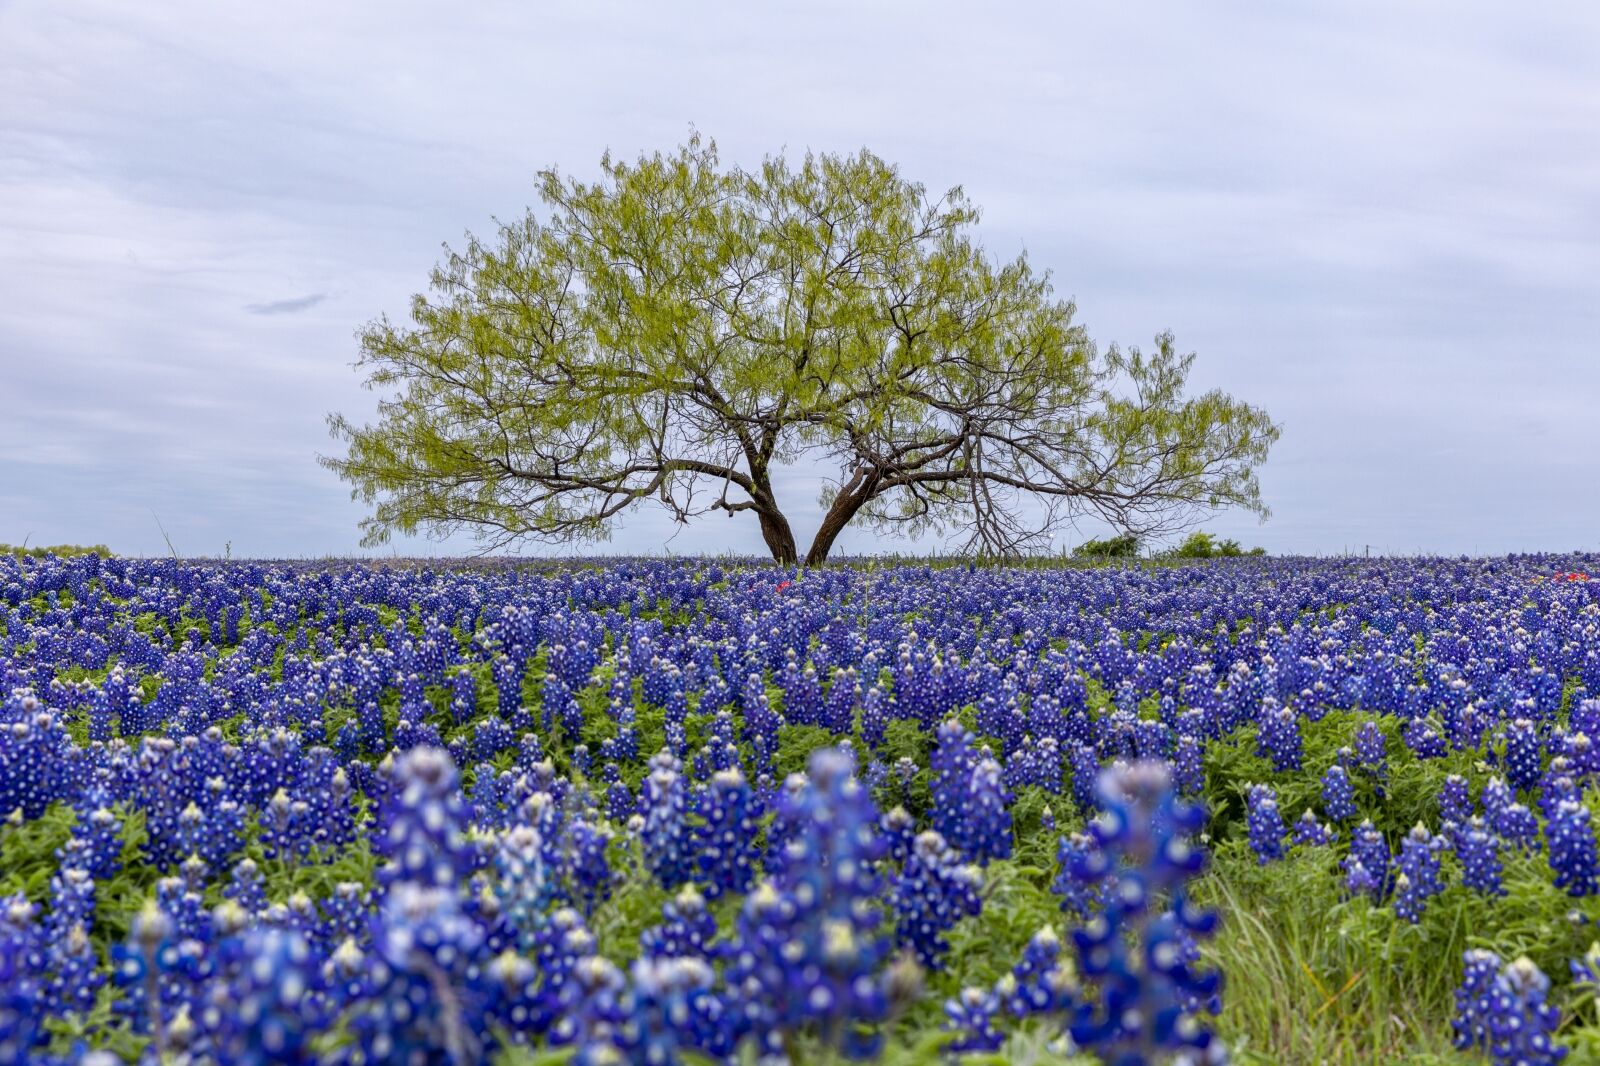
<point>1205,546</point>
<point>1125,546</point>
<point>678,329</point>
<point>62,551</point>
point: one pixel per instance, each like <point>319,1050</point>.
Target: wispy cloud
<point>287,307</point>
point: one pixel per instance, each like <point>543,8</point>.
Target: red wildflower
<point>785,583</point>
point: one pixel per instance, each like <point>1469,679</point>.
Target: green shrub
<point>63,551</point>
<point>1205,546</point>
<point>1124,547</point>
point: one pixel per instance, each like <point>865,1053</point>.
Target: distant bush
<point>1123,547</point>
<point>62,551</point>
<point>1205,546</point>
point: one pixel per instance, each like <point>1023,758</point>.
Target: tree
<point>1205,546</point>
<point>1124,546</point>
<point>678,331</point>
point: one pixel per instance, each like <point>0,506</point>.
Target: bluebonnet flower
<point>265,1004</point>
<point>898,831</point>
<point>463,696</point>
<point>1265,824</point>
<point>952,764</point>
<point>422,943</point>
<point>1036,764</point>
<point>844,694</point>
<point>1370,753</point>
<point>346,913</point>
<point>1571,847</point>
<point>73,983</point>
<point>725,840</point>
<point>1278,736</point>
<point>507,674</point>
<point>970,809</point>
<point>668,1005</point>
<point>905,771</point>
<point>1043,982</point>
<point>1504,1011</point>
<point>158,977</point>
<point>1424,740</point>
<point>288,828</point>
<point>620,802</point>
<point>1418,877</point>
<point>20,978</point>
<point>1479,853</point>
<point>1085,762</point>
<point>1309,832</point>
<point>1586,970</point>
<point>35,754</point>
<point>1517,826</point>
<point>542,997</point>
<point>1358,880</point>
<point>1455,802</point>
<point>592,1011</point>
<point>1523,754</point>
<point>1188,772</point>
<point>686,930</point>
<point>1497,796</point>
<point>247,887</point>
<point>1370,851</point>
<point>490,737</point>
<point>1085,875</point>
<point>72,898</point>
<point>1556,786</point>
<point>1481,969</point>
<point>933,892</point>
<point>876,713</point>
<point>423,822</point>
<point>806,950</point>
<point>559,705</point>
<point>184,907</point>
<point>971,1014</point>
<point>100,851</point>
<point>761,722</point>
<point>985,825</point>
<point>1338,794</point>
<point>1144,999</point>
<point>588,874</point>
<point>213,834</point>
<point>664,831</point>
<point>527,880</point>
<point>802,692</point>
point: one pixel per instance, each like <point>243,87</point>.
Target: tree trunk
<point>779,537</point>
<point>775,528</point>
<point>851,498</point>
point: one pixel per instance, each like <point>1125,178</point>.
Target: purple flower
<point>1265,824</point>
<point>933,892</point>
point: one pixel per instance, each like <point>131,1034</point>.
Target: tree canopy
<point>679,331</point>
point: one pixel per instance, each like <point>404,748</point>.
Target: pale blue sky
<point>1379,220</point>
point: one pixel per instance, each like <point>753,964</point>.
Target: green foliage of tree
<point>679,329</point>
<point>1125,546</point>
<point>61,551</point>
<point>1200,545</point>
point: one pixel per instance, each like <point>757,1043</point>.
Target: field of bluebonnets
<point>1276,810</point>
